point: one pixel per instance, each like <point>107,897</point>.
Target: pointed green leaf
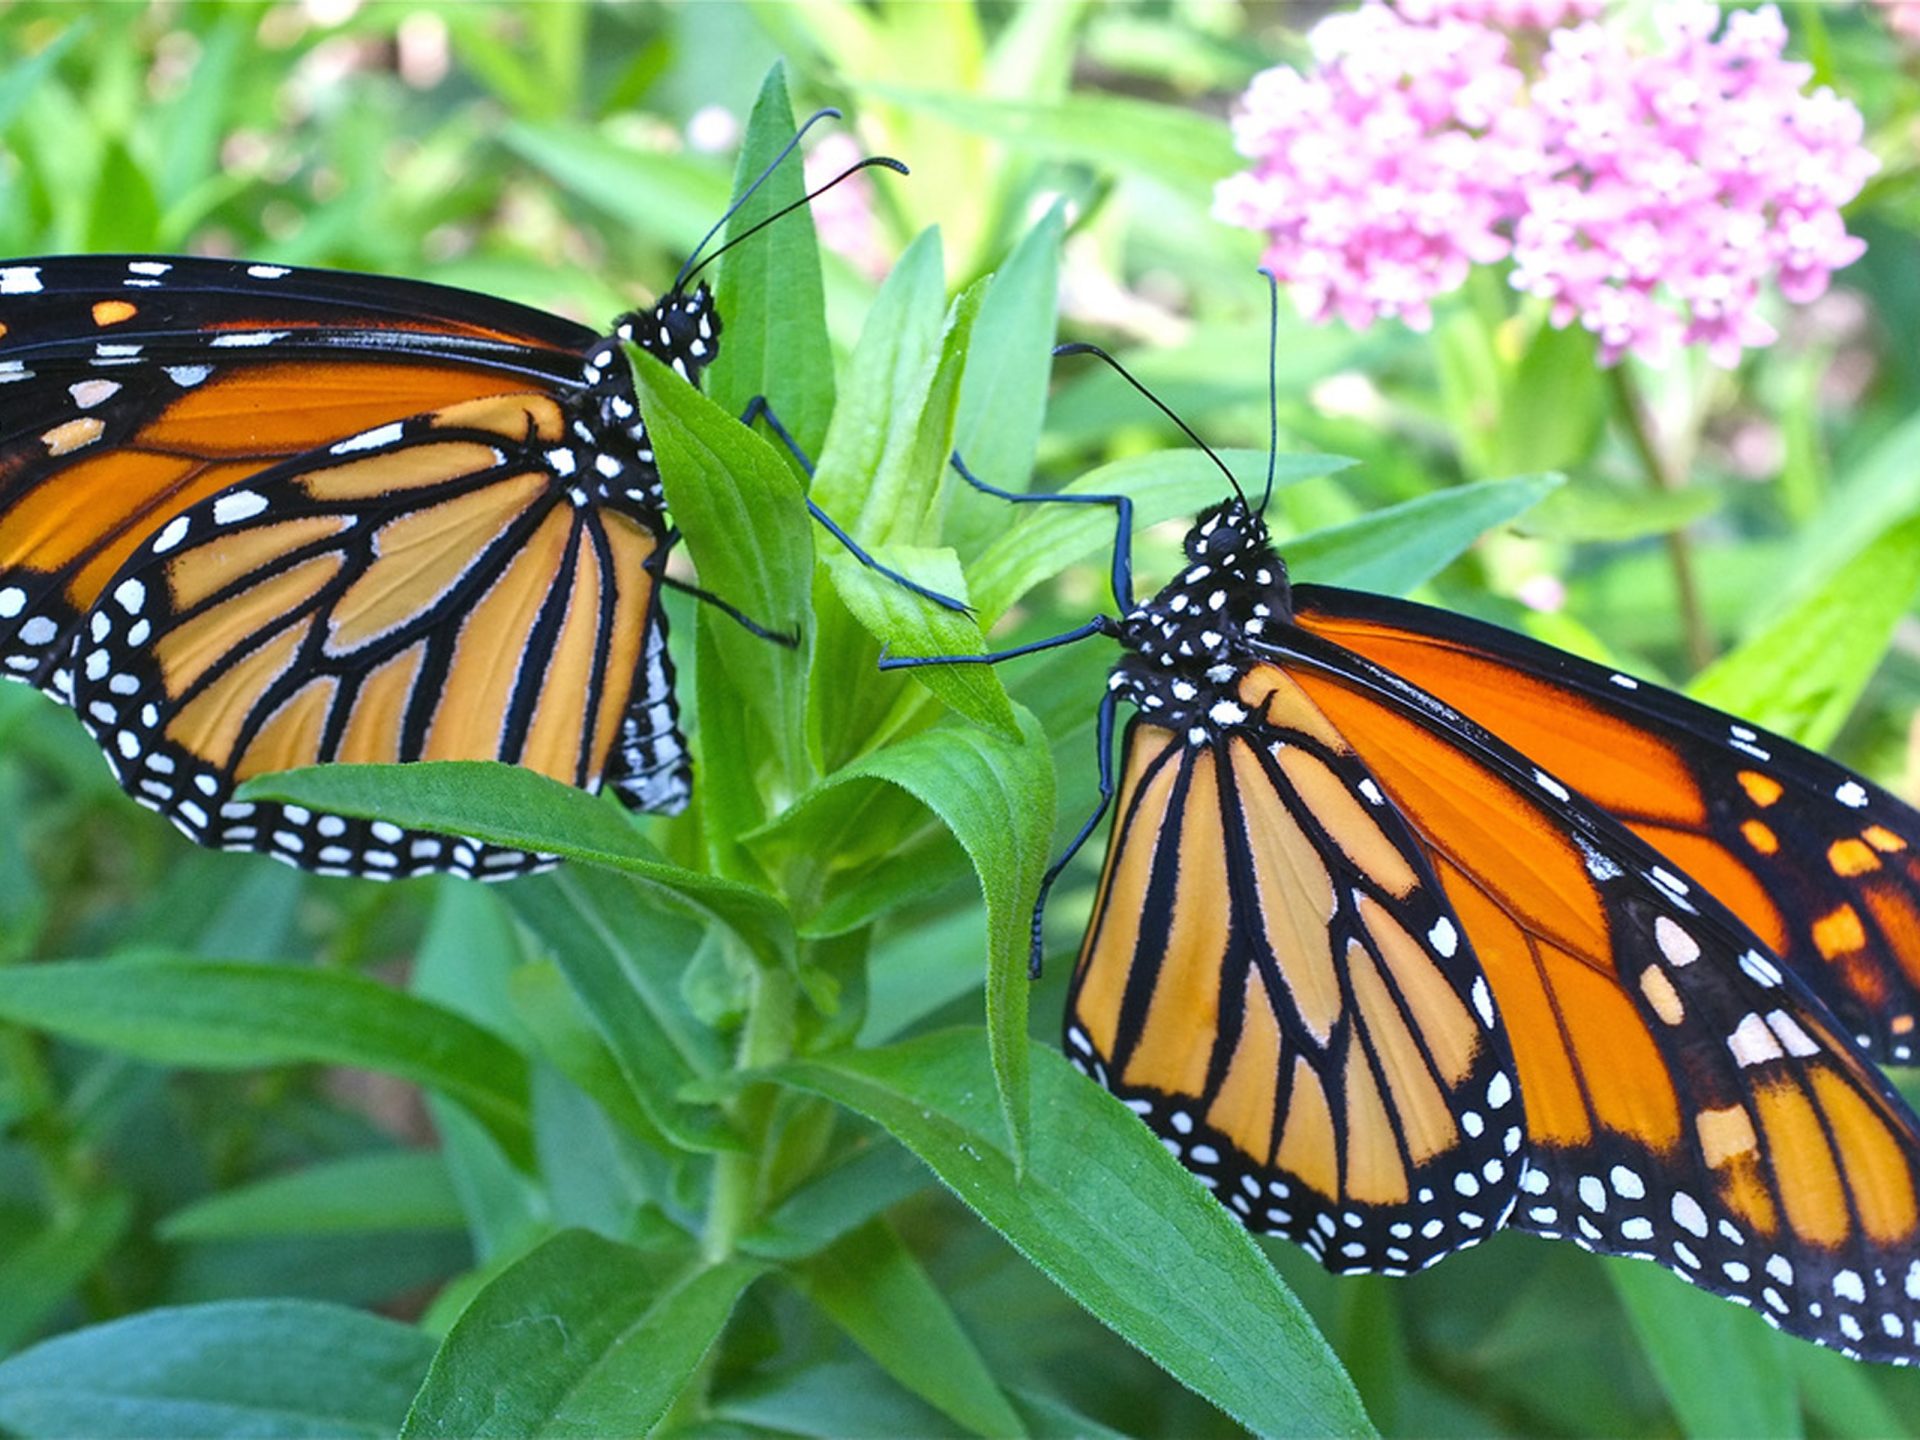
<point>624,961</point>
<point>271,1369</point>
<point>381,1191</point>
<point>581,1337</point>
<point>506,805</point>
<point>209,1015</point>
<point>1801,674</point>
<point>771,300</point>
<point>1113,1219</point>
<point>1723,1370</point>
<point>1405,545</point>
<point>875,1290</point>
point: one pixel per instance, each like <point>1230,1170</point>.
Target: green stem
<point>766,1039</point>
<point>1634,419</point>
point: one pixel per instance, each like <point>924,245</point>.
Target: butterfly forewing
<point>134,388</point>
<point>1823,866</point>
<point>1686,1098</point>
<point>432,589</point>
<point>1353,1091</point>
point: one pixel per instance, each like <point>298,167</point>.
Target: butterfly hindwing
<point>1274,981</point>
<point>1687,1098</point>
<point>431,589</point>
<point>1822,865</point>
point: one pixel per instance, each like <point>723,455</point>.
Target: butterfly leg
<point>1098,625</point>
<point>1103,740</point>
<point>1122,577</point>
<point>759,409</point>
<point>788,638</point>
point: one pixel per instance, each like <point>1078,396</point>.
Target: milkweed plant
<point>750,1121</point>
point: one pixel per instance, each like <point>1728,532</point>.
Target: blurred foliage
<point>216,1161</point>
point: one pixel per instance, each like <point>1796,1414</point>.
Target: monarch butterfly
<point>254,517</point>
<point>1410,929</point>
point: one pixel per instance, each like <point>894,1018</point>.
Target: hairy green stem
<point>765,1039</point>
<point>1632,410</point>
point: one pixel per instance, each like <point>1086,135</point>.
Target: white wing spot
<point>170,535</point>
<point>1791,1035</point>
<point>89,393</point>
<point>243,339</point>
<point>1752,1043</point>
<point>1445,940</point>
<point>1676,944</point>
<point>1852,794</point>
<point>238,505</point>
<point>188,376</point>
<point>369,439</point>
<point>19,280</point>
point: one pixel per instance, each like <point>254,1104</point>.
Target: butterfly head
<point>1227,533</point>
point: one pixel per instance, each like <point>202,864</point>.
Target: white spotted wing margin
<point>1737,1136</point>
<point>436,588</point>
<point>1274,982</point>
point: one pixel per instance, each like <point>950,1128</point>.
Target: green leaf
<point>745,518</point>
<point>22,79</point>
<point>1395,549</point>
<point>1003,398</point>
<point>905,624</point>
<point>624,961</point>
<point>383,1191</point>
<point>1801,673</point>
<point>218,1016</point>
<point>875,1290</point>
<point>567,1039</point>
<point>1724,1372</point>
<point>1113,1219</point>
<point>581,1337</point>
<point>40,1273</point>
<point>507,805</point>
<point>1179,148</point>
<point>1043,540</point>
<point>871,1180</point>
<point>674,198</point>
<point>863,479</point>
<point>274,1369</point>
<point>997,799</point>
<point>770,292</point>
<point>1594,511</point>
<point>126,211</point>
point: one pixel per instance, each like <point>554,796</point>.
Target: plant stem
<point>765,1039</point>
<point>1639,427</point>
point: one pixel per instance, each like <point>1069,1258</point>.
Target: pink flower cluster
<point>1647,195</point>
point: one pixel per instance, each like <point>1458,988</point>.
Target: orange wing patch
<point>1783,837</point>
<point>1685,1101</point>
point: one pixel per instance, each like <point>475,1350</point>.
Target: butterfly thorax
<point>681,331</point>
<point>1187,646</point>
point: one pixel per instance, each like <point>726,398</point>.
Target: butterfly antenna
<point>1273,382</point>
<point>884,161</point>
<point>745,195</point>
<point>1081,347</point>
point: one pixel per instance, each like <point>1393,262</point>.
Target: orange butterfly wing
<point>1273,981</point>
<point>1822,866</point>
<point>1686,1100</point>
<point>132,388</point>
<point>427,591</point>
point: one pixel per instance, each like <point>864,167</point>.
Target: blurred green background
<point>568,156</point>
